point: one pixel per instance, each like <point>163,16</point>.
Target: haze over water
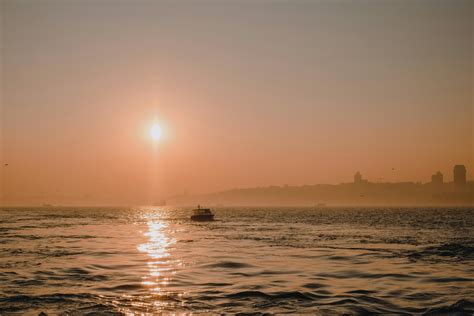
<point>276,260</point>
<point>248,94</point>
<point>342,106</point>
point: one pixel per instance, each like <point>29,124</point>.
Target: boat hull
<point>203,217</point>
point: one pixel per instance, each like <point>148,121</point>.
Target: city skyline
<point>236,157</point>
<point>438,191</point>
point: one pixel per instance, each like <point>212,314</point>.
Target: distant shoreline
<point>237,206</point>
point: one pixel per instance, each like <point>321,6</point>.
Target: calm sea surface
<point>273,260</point>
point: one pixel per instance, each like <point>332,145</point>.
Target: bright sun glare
<point>155,132</point>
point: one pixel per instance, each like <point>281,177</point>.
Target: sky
<point>247,93</point>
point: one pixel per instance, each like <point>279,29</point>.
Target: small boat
<point>202,214</point>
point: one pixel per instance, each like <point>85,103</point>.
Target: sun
<point>155,132</point>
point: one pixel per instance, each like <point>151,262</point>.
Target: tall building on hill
<point>358,178</point>
<point>459,174</point>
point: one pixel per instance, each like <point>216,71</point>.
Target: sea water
<point>250,260</point>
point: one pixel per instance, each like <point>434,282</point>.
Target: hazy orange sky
<point>248,93</point>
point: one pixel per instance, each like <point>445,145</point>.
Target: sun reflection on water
<point>161,265</point>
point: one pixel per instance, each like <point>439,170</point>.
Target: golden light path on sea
<point>161,265</point>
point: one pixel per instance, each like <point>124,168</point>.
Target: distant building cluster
<point>361,192</point>
<point>459,177</point>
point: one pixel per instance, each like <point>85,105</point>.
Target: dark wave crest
<point>453,251</point>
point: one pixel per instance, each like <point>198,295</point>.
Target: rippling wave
<point>318,261</point>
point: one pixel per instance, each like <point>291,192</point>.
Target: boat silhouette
<point>202,214</point>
